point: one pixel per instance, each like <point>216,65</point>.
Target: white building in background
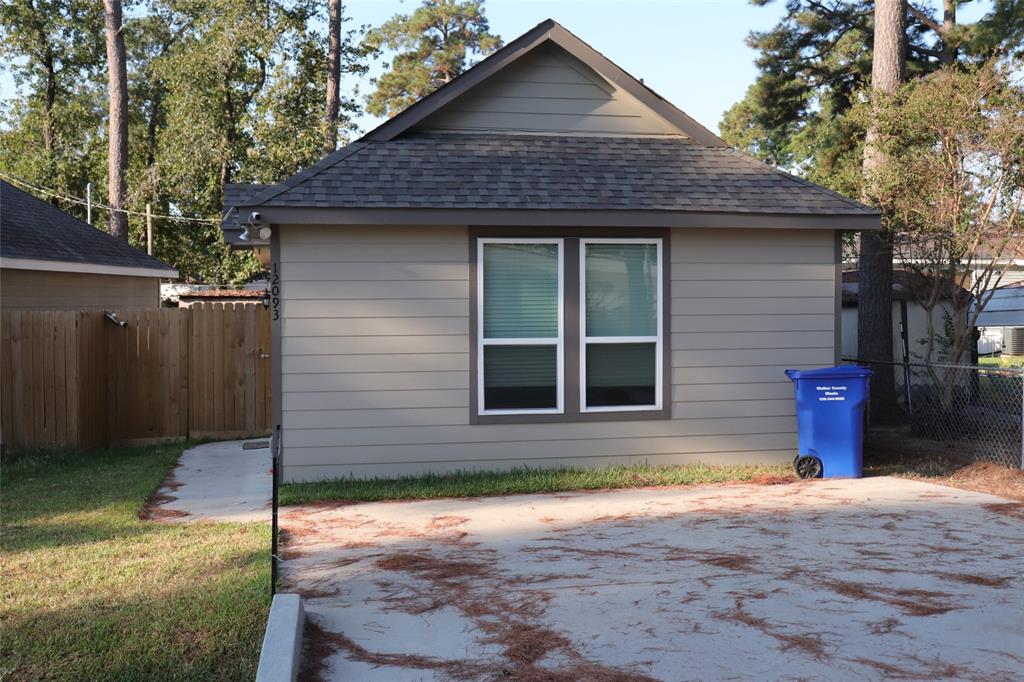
<point>907,314</point>
<point>1002,321</point>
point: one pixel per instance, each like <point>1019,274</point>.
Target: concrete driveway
<point>855,579</point>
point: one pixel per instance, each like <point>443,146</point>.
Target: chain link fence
<point>977,409</point>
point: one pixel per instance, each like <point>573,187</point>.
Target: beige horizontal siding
<point>378,308</point>
<point>750,340</point>
<point>549,91</point>
<point>799,322</point>
<point>820,305</point>
<point>747,289</point>
<point>368,291</point>
<point>756,272</point>
<point>375,326</point>
<point>376,358</point>
<point>362,345</point>
<point>342,271</point>
<point>369,362</point>
<point>411,435</point>
<point>375,381</point>
<point>383,253</point>
<point>721,409</point>
<point>308,401</point>
<point>693,376</point>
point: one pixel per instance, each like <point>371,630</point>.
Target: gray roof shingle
<point>492,171</point>
<point>34,229</point>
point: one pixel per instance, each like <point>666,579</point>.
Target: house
<point>542,263</point>
<point>1002,320</point>
<point>50,260</point>
<point>908,316</point>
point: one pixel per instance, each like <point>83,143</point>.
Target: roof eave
<point>282,215</point>
<point>86,268</point>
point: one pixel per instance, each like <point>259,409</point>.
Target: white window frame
<point>558,342</point>
<point>657,340</point>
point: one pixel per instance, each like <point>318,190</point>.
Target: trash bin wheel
<point>808,467</point>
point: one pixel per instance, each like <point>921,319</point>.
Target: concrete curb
<point>282,643</point>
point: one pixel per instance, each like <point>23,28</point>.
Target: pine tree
<point>434,44</point>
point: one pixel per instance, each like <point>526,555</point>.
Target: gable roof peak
<point>548,31</point>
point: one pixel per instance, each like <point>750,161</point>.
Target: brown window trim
<point>572,331</point>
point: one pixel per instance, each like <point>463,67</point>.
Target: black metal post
<point>275,471</point>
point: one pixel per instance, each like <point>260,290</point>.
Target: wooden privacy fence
<point>78,378</point>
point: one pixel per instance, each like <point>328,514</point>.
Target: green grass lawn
<point>91,592</point>
<point>518,481</point>
<point>1002,360</point>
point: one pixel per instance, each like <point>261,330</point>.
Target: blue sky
<point>691,52</point>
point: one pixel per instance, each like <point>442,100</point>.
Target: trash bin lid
<point>837,372</point>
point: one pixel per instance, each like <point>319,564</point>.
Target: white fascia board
<point>88,268</point>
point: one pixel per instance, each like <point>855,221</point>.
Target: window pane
<point>520,377</point>
<point>620,374</point>
<point>520,291</point>
<point>622,289</point>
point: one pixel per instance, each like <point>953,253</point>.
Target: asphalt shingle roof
<point>34,229</point>
<point>492,171</point>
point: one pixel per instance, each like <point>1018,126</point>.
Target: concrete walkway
<point>217,482</point>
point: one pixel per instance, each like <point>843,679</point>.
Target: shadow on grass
<point>211,631</point>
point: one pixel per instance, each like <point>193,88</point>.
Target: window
<point>621,325</point>
<point>604,360</point>
<point>520,318</point>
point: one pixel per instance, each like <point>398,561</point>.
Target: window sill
<point>570,418</point>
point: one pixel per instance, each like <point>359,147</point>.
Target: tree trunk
<point>333,76</point>
<point>874,307</point>
<point>949,50</point>
<point>117,152</point>
<point>49,137</point>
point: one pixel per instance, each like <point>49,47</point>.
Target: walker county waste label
<point>827,394</point>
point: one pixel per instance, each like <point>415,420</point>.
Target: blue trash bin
<point>830,420</point>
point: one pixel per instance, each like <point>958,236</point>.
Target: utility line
<point>78,200</point>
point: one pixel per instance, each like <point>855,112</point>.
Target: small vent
<point>1013,341</point>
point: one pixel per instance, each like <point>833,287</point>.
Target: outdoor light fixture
<point>263,233</point>
<point>265,299</point>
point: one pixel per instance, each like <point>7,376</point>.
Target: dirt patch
<point>810,644</point>
<point>432,567</point>
<point>1012,509</point>
<point>152,509</point>
<point>734,562</point>
<point>505,618</point>
<point>984,580</point>
<point>318,645</point>
<point>912,602</point>
<point>773,479</point>
<point>892,452</point>
<point>446,522</point>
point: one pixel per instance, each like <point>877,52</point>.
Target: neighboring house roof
<point>399,174</point>
<point>1005,308</point>
<point>36,235</point>
<point>905,285</point>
